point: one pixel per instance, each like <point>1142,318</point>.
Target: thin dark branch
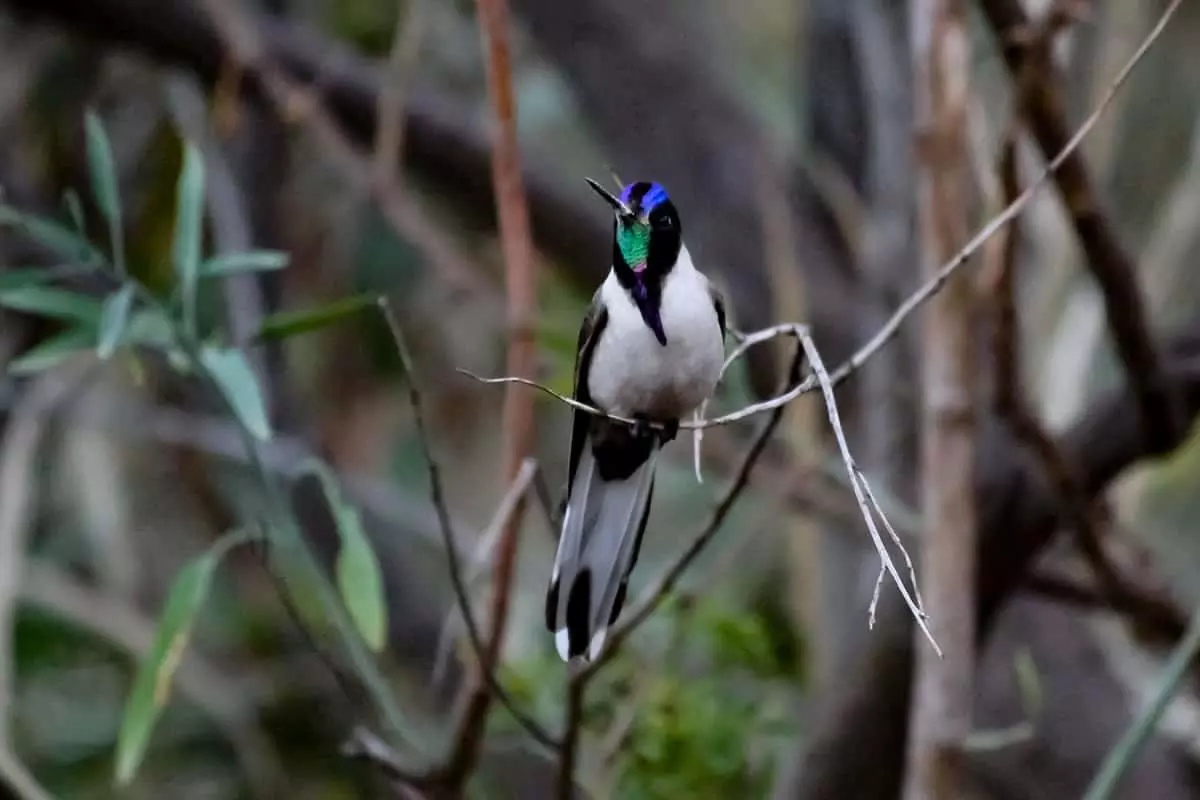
<point>433,467</point>
<point>1155,615</point>
<point>520,274</point>
<point>570,745</point>
<point>1010,402</point>
<point>1108,261</point>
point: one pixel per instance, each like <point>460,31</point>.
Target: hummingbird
<point>650,349</point>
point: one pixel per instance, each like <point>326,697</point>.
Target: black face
<point>647,233</point>
<point>647,238</point>
<point>666,237</point>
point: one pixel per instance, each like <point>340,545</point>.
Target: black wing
<point>593,325</point>
<point>718,301</point>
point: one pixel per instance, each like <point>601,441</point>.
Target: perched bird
<point>650,349</point>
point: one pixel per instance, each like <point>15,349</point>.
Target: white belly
<point>631,373</point>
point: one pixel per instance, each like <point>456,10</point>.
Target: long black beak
<point>609,198</point>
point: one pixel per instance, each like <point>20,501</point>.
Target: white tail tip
<point>562,643</point>
<point>597,644</point>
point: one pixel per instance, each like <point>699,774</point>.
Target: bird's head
<point>647,237</point>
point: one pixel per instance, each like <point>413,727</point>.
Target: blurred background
<point>783,131</point>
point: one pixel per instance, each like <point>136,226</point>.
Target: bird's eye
<point>664,223</point>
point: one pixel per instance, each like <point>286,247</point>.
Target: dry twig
<point>521,289</point>
<point>1109,263</point>
<point>461,595</point>
<point>483,553</point>
<point>943,689</point>
<point>1009,400</point>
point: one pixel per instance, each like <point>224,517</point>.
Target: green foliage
<point>709,714</point>
<point>358,575</point>
<point>240,263</point>
<point>114,319</point>
<point>189,229</point>
<point>368,24</point>
<point>739,640</point>
<point>163,318</point>
<point>20,278</point>
<point>52,351</point>
<point>48,301</point>
<point>152,686</point>
<point>690,739</point>
<point>104,186</point>
<point>286,324</point>
<point>63,242</point>
<point>74,209</point>
<point>231,373</point>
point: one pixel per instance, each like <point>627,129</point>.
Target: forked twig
<point>862,491</point>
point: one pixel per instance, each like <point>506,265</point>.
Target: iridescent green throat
<point>634,240</point>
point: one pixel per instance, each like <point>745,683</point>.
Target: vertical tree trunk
<point>941,713</point>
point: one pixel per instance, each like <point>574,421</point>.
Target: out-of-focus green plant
<point>132,316</point>
<point>706,717</point>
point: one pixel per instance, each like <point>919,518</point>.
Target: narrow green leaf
<point>189,219</point>
<point>358,575</point>
<point>104,185</point>
<point>236,381</point>
<point>24,276</point>
<point>53,351</point>
<point>1143,727</point>
<point>152,685</point>
<point>287,324</point>
<point>49,301</point>
<point>149,326</point>
<point>238,263</point>
<point>57,238</point>
<point>74,209</point>
<point>114,319</point>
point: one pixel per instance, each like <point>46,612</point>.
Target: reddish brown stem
<point>1108,261</point>
<point>521,286</point>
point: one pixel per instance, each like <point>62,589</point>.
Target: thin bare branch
<point>943,688</point>
<point>461,595</point>
<point>1107,260</point>
<point>1009,401</point>
<point>1146,610</point>
<point>483,555</point>
<point>520,272</point>
<point>571,728</point>
<point>859,486</point>
<point>927,290</point>
<point>389,135</point>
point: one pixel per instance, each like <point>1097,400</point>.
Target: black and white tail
<point>601,534</point>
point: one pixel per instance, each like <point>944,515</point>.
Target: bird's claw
<point>664,431</point>
<point>641,427</point>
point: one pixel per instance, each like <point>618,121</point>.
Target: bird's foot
<point>662,430</point>
<point>641,427</point>
<point>668,432</point>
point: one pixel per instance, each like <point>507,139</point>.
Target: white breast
<point>632,373</point>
